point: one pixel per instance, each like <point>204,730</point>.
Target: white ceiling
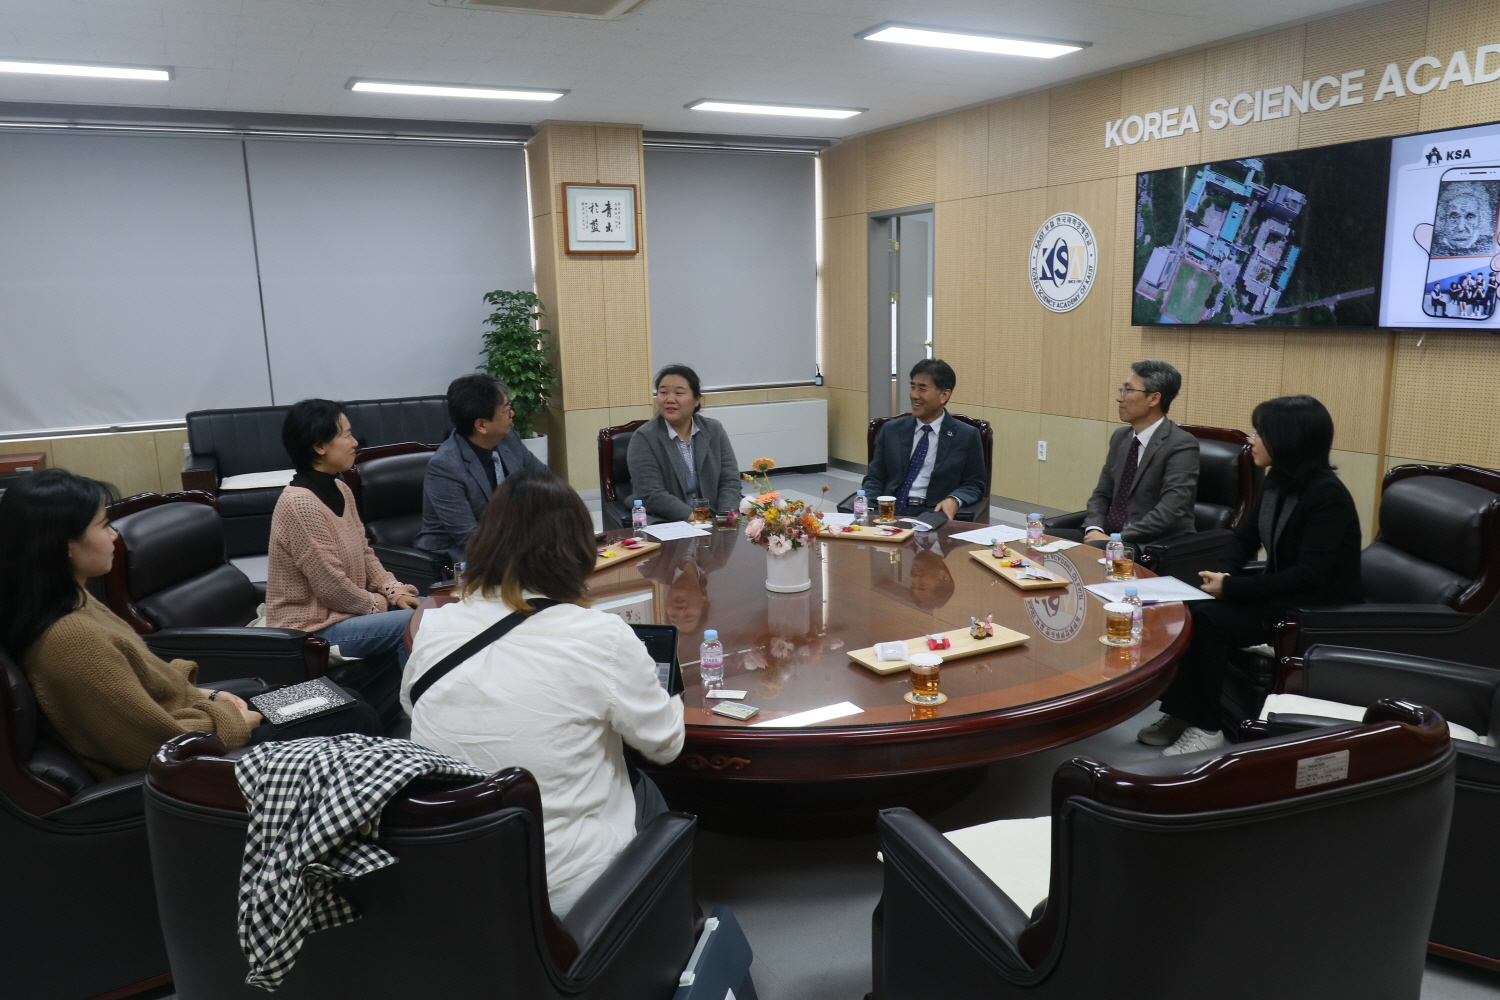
<point>297,55</point>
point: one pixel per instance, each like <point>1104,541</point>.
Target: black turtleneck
<point>325,486</point>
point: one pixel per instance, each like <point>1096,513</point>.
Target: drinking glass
<point>886,510</point>
<point>701,513</point>
<point>1117,618</point>
<point>1123,568</point>
<point>924,677</point>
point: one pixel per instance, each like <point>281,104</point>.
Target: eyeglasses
<point>1126,390</point>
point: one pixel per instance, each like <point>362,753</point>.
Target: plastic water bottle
<point>861,508</point>
<point>1034,529</point>
<point>1138,616</point>
<point>638,519</point>
<point>711,659</point>
<point>1114,551</point>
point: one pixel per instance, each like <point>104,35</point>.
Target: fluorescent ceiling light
<point>443,90</point>
<point>795,111</point>
<point>70,69</point>
<point>941,38</point>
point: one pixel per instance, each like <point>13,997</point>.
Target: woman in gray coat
<point>681,454</point>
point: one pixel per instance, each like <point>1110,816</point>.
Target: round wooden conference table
<point>789,653</point>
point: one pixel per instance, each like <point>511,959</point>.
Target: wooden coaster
<point>868,533</point>
<point>960,645</point>
<point>1116,645</point>
<point>614,555</point>
<point>985,559</point>
<point>911,699</point>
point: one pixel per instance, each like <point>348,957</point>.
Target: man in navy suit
<point>466,468</point>
<point>927,460</point>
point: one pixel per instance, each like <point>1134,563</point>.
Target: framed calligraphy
<point>601,218</point>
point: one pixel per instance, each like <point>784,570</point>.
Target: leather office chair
<point>172,582</point>
<point>387,483</point>
<point>1227,483</point>
<point>614,473</point>
<point>463,914</point>
<point>1463,927</point>
<point>80,917</point>
<point>234,442</point>
<point>1184,874</point>
<point>1430,576</point>
<point>978,511</point>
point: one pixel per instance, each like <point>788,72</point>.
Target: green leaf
<point>513,351</point>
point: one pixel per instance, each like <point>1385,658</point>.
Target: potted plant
<point>513,353</point>
<point>784,528</point>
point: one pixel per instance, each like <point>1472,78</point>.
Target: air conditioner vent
<point>606,9</point>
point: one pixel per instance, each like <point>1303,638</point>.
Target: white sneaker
<point>1193,740</point>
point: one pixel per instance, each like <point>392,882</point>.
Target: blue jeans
<point>370,635</point>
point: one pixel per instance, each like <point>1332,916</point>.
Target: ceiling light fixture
<point>942,38</point>
<point>445,90</point>
<point>74,69</point>
<point>793,110</point>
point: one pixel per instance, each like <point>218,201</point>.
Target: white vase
<point>537,446</point>
<point>788,572</point>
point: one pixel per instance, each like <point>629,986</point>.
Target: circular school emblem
<point>1064,261</point>
<point>1059,615</point>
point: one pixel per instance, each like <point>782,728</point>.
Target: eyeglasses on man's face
<point>1126,390</point>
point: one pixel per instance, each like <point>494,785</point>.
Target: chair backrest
<point>1462,693</point>
<point>37,773</point>
<point>1227,477</point>
<point>468,897</point>
<point>387,485</point>
<point>614,467</point>
<point>170,570</point>
<point>248,439</point>
<point>1439,538</point>
<point>986,438</point>
<point>1354,816</point>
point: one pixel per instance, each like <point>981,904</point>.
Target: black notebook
<point>300,702</point>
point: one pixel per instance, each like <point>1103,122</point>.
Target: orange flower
<point>809,524</point>
<point>763,465</point>
<point>768,498</point>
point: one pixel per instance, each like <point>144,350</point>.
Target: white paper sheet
<point>823,714</point>
<point>1057,546</point>
<point>668,530</point>
<point>836,520</point>
<point>994,532</point>
<point>1156,590</point>
<point>916,525</point>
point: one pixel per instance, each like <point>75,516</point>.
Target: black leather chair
<point>1227,483</point>
<point>1186,875</point>
<point>172,582</point>
<point>1430,576</point>
<point>387,485</point>
<point>1464,926</point>
<point>614,473</point>
<point>463,914</point>
<point>79,917</point>
<point>978,511</point>
<point>234,442</point>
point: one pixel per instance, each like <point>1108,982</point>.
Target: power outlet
<point>1041,451</point>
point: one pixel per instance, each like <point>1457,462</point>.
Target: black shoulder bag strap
<point>492,634</point>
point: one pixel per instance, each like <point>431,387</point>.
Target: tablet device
<point>661,643</point>
<point>936,518</point>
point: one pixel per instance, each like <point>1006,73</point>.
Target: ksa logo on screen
<point>1064,262</point>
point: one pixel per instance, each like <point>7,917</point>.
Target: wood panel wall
<point>996,172</point>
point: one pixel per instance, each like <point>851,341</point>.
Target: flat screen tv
<point>1289,239</point>
<point>1441,263</point>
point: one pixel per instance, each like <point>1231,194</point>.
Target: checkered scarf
<point>314,808</point>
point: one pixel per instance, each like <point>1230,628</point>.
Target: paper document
<point>836,520</point>
<point>916,523</point>
<point>668,530</point>
<point>995,532</point>
<point>823,714</point>
<point>1155,590</point>
<point>1057,546</point>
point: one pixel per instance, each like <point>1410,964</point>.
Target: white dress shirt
<point>559,695</point>
<point>1144,437</point>
<point>924,474</point>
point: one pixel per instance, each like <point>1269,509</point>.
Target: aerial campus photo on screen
<point>1290,239</point>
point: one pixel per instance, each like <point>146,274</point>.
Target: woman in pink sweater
<point>322,575</point>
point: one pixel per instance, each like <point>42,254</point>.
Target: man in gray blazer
<point>1150,480</point>
<point>466,468</point>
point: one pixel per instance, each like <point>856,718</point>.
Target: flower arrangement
<point>778,524</point>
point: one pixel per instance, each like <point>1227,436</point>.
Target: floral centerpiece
<point>784,528</point>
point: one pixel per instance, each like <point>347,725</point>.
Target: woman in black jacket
<point>1306,520</point>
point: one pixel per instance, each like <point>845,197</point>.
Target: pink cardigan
<point>320,569</point>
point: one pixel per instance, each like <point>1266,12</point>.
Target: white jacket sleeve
<point>640,710</point>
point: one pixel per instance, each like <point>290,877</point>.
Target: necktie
<point>918,456</point>
<point>499,469</point>
<point>1115,520</point>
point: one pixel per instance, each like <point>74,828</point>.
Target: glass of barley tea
<point>924,678</point>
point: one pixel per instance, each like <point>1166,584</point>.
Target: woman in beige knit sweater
<point>321,574</point>
<point>104,693</point>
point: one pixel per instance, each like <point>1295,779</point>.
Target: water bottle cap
<point>1114,536</point>
<point>710,634</point>
<point>638,503</point>
<point>1034,516</point>
<point>859,493</point>
<point>1132,591</point>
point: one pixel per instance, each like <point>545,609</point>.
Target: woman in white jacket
<point>560,694</point>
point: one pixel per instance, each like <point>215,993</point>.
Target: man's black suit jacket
<point>958,470</point>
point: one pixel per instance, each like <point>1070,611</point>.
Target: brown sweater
<point>320,569</point>
<point>111,700</point>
